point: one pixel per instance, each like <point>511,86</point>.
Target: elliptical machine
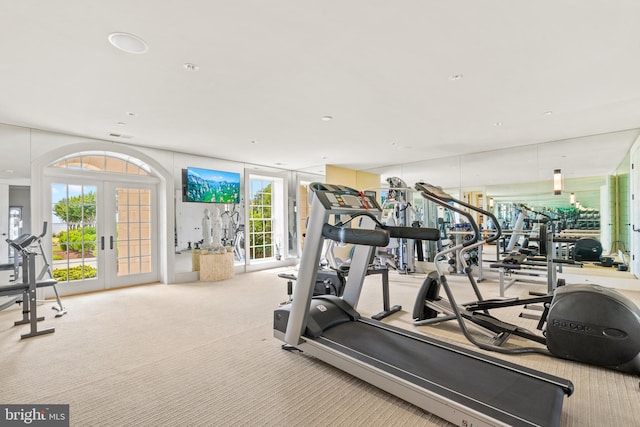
<point>584,322</point>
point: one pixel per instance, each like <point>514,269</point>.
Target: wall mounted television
<point>210,186</point>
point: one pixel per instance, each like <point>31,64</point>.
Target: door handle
<point>110,242</point>
<point>102,243</point>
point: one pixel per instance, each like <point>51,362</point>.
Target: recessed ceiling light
<point>131,113</point>
<point>128,43</point>
<point>548,113</point>
<point>190,67</point>
<point>121,124</point>
<point>327,118</point>
<point>253,142</point>
<point>455,77</point>
<point>497,124</point>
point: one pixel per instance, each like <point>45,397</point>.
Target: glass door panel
<point>74,224</point>
<point>102,235</point>
<point>134,237</point>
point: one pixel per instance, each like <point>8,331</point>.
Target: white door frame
<point>165,197</point>
<point>281,220</point>
<point>105,226</point>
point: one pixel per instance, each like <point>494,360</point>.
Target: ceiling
<point>402,81</point>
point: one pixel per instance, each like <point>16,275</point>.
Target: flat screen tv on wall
<point>210,186</point>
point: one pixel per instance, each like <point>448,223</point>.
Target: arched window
<point>104,161</point>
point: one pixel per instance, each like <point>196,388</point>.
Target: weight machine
<point>24,292</point>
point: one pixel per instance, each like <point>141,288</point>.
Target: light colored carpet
<point>203,354</point>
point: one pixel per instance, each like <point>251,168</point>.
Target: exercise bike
<point>583,322</point>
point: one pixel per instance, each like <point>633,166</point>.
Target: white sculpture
<point>212,230</point>
<point>206,229</point>
<point>216,228</point>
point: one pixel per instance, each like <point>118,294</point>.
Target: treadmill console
<point>344,198</point>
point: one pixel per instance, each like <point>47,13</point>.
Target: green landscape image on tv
<point>212,186</point>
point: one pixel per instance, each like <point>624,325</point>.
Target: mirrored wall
<point>594,177</point>
<point>591,166</point>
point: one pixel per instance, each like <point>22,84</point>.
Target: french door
<point>103,234</point>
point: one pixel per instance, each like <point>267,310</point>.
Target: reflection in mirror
<point>595,194</point>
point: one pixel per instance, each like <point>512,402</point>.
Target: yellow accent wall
<point>367,180</point>
<point>352,178</point>
<point>340,176</point>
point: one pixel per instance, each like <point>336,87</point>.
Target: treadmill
<point>461,386</point>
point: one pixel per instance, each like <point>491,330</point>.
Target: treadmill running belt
<point>486,384</point>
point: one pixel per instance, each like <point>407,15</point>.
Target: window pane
<point>260,223</point>
<point>95,163</point>
<point>116,165</point>
<point>74,237</point>
<point>108,162</point>
<point>134,231</point>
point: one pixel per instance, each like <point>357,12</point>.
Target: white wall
<point>27,146</point>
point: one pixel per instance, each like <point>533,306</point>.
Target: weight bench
<point>27,289</point>
<point>21,246</point>
<point>29,304</point>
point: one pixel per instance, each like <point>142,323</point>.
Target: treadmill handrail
<point>415,233</point>
<point>402,232</point>
<point>356,236</point>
